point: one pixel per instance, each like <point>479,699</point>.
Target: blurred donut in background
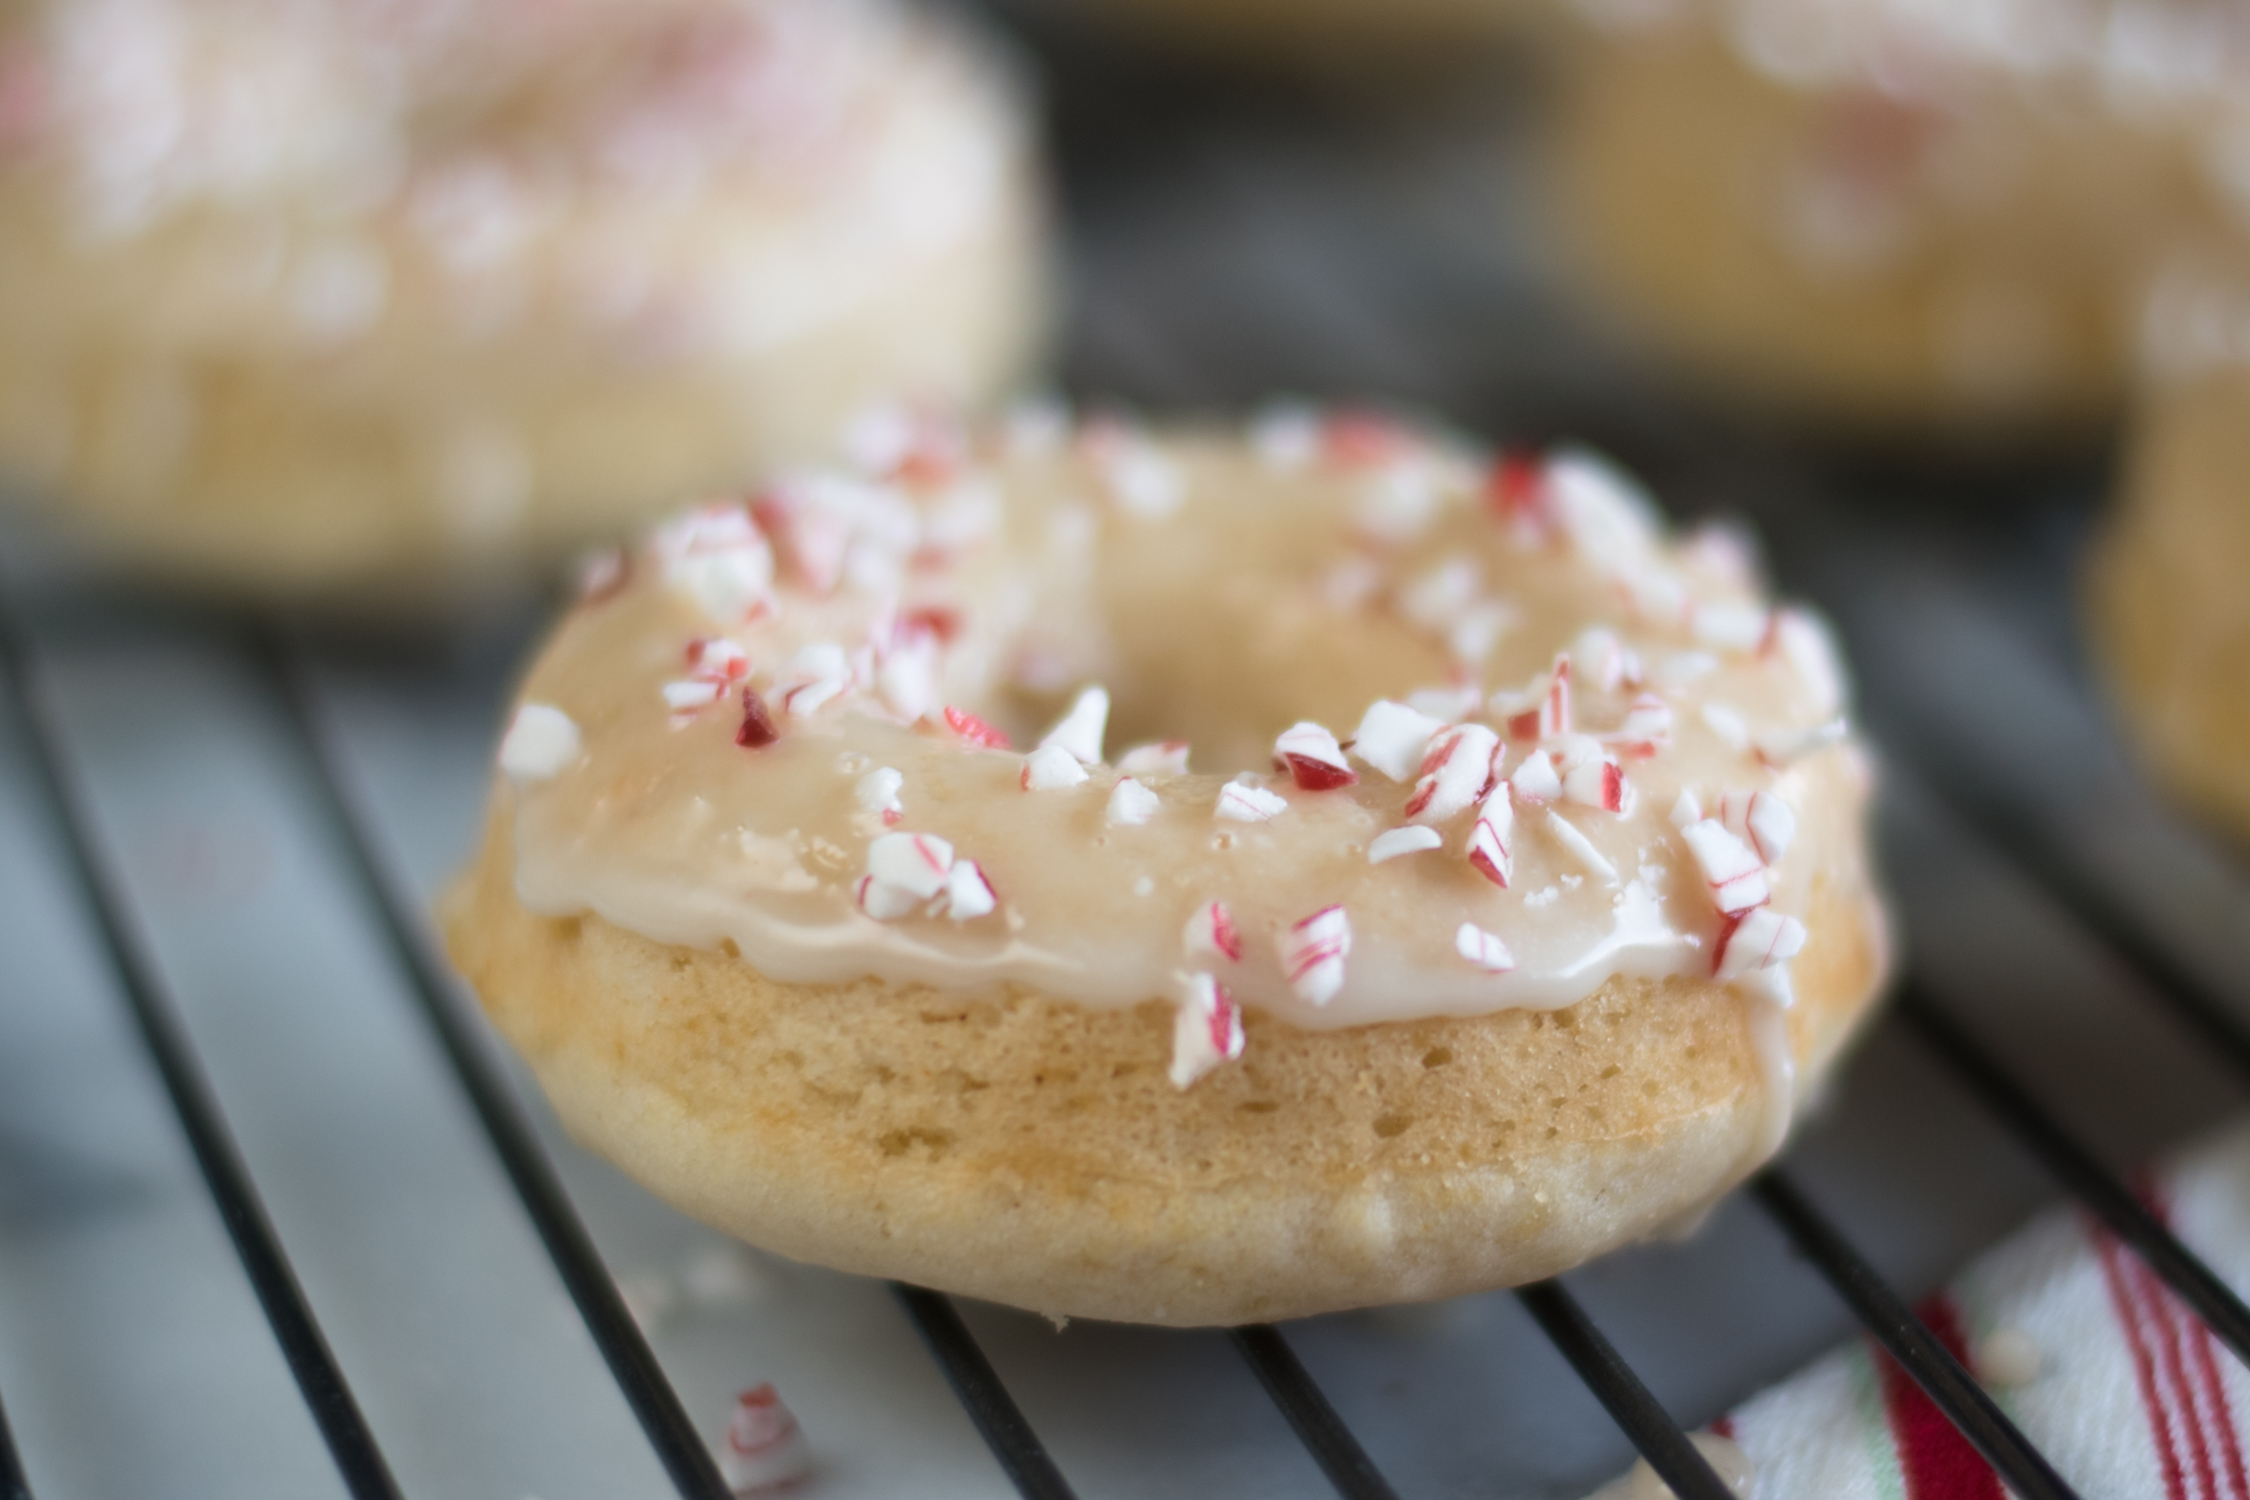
<point>1328,36</point>
<point>2170,612</point>
<point>299,296</point>
<point>1902,217</point>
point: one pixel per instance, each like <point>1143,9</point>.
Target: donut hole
<point>1229,641</point>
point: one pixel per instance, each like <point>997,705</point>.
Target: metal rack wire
<point>282,670</point>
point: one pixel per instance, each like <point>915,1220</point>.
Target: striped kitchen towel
<point>2085,1349</point>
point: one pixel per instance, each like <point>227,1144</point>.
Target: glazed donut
<point>1899,217</point>
<point>2170,623</point>
<point>306,294</point>
<point>1477,877</point>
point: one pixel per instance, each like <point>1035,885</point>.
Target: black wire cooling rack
<point>1331,254</point>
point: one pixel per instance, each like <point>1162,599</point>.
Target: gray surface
<point>1229,248</point>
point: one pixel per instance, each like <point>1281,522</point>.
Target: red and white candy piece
<point>1492,835</point>
<point>757,729</point>
<point>907,677</point>
<point>541,742</point>
<point>1549,714</point>
<point>1537,780</point>
<point>1483,949</point>
<point>1457,770</point>
<point>1050,768</point>
<point>602,574</point>
<point>974,730</point>
<point>1080,731</point>
<point>688,694</point>
<point>885,903</point>
<point>1731,869</point>
<point>1448,705</point>
<point>1599,659</point>
<point>717,659</point>
<point>1591,776</point>
<point>1206,1029</point>
<point>1392,843</point>
<point>1579,847</point>
<point>1162,758</point>
<point>968,894</point>
<point>1392,738</point>
<point>1805,643</point>
<point>1732,729</point>
<point>716,555</point>
<point>1138,476</point>
<point>1312,953</point>
<point>1211,933</point>
<point>816,675</point>
<point>1313,759</point>
<point>1760,938</point>
<point>765,1450</point>
<point>1434,599</point>
<point>1761,820</point>
<point>1478,630</point>
<point>877,793</point>
<point>1130,803</point>
<point>1244,801</point>
<point>1397,503</point>
<point>1785,747</point>
<point>1646,728</point>
<point>916,863</point>
<point>1729,627</point>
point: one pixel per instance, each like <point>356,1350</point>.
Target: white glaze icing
<point>1210,618</point>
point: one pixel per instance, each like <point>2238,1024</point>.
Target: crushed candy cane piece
<point>1759,938</point>
<point>1163,758</point>
<point>1244,801</point>
<point>1484,949</point>
<point>1807,645</point>
<point>975,730</point>
<point>1731,869</point>
<point>1211,932</point>
<point>968,895</point>
<point>541,742</point>
<point>1551,716</point>
<point>907,680</point>
<point>1596,781</point>
<point>1536,780</point>
<point>691,693</point>
<point>877,792</point>
<point>717,658</point>
<point>1312,953</point>
<point>1731,728</point>
<point>1491,838</point>
<point>1393,842</point>
<point>765,1450</point>
<point>1646,727</point>
<point>1131,803</point>
<point>716,555</point>
<point>757,728</point>
<point>1728,627</point>
<point>1515,489</point>
<point>1206,1029</point>
<point>1080,730</point>
<point>1761,820</point>
<point>1688,809</point>
<point>917,863</point>
<point>885,903</point>
<point>1478,630</point>
<point>1601,508</point>
<point>1050,768</point>
<point>1786,747</point>
<point>1580,847</point>
<point>818,674</point>
<point>1457,770</point>
<point>1397,504</point>
<point>1392,738</point>
<point>1683,667</point>
<point>1311,756</point>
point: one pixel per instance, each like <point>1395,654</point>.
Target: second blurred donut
<point>307,295</point>
<point>1897,216</point>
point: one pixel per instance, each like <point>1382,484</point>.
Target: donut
<point>1430,873</point>
<point>2169,626</point>
<point>300,296</point>
<point>1892,218</point>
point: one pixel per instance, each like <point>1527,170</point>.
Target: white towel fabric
<point>2123,1389</point>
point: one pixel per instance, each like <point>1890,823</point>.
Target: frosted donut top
<point>1348,723</point>
<point>681,177</point>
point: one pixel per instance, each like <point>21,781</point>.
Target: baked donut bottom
<point>1727,225</point>
<point>342,507</point>
<point>1031,1151</point>
<point>2169,614</point>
